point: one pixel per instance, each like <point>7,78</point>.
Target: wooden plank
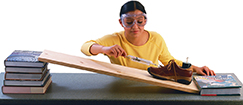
<point>112,70</point>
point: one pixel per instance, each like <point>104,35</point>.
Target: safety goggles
<point>128,20</point>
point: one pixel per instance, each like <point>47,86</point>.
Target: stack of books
<point>24,74</point>
<point>219,85</point>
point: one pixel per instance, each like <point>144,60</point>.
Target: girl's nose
<point>135,25</point>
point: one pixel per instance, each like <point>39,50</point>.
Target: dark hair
<point>132,6</point>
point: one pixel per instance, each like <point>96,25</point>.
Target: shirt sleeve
<point>85,49</point>
<point>165,55</point>
<point>107,40</point>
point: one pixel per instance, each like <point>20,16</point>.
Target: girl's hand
<point>203,71</point>
<point>114,50</point>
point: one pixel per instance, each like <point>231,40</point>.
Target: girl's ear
<point>120,22</point>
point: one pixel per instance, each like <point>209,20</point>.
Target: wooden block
<point>112,70</point>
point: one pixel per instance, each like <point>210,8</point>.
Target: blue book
<point>24,58</point>
<point>218,85</point>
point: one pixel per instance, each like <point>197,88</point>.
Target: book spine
<point>30,70</point>
<point>208,94</point>
<point>10,90</point>
<point>195,81</point>
<point>5,62</point>
<point>28,79</point>
<point>220,94</point>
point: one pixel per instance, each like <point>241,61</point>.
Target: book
<point>26,82</point>
<point>25,76</point>
<point>24,58</point>
<point>220,85</point>
<point>34,70</point>
<point>26,89</point>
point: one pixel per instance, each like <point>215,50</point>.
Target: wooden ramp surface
<point>112,70</point>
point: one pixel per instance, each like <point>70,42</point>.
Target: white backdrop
<point>209,32</point>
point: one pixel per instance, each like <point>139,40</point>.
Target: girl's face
<point>135,30</point>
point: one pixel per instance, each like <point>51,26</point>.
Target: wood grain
<point>112,70</point>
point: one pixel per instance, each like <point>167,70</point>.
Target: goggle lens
<point>129,20</point>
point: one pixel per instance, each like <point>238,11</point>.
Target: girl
<point>135,41</point>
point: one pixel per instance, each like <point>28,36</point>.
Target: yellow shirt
<point>154,49</point>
